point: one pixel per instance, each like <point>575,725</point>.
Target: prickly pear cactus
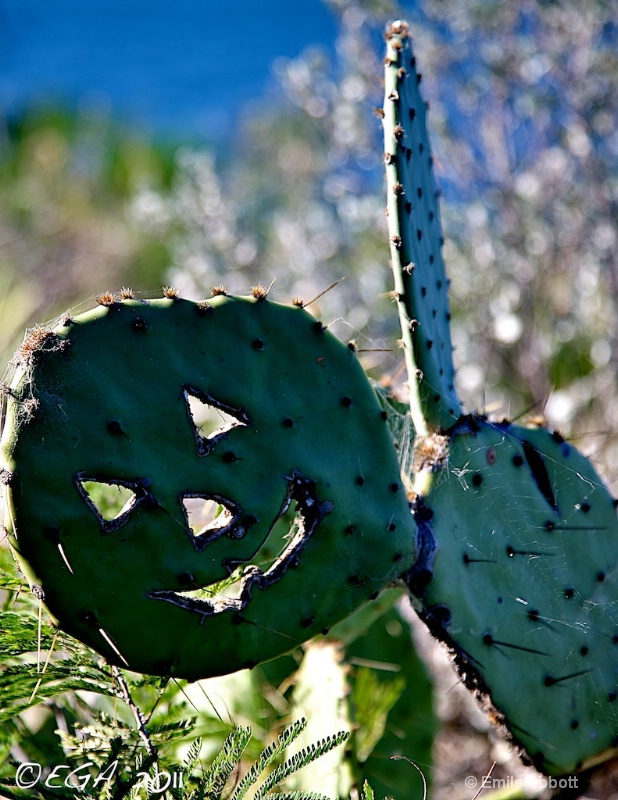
<point>517,535</point>
<point>227,546</point>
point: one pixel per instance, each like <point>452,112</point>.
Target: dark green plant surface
<point>416,242</point>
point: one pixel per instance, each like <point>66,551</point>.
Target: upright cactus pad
<point>421,286</point>
<point>521,581</point>
<point>306,517</point>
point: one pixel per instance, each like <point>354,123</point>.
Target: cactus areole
<point>231,545</point>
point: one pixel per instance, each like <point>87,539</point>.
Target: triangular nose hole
<point>210,418</point>
<point>111,501</point>
<point>209,517</point>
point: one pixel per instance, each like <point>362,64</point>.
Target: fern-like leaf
<point>22,686</point>
<point>268,756</point>
<point>299,760</point>
<point>226,761</point>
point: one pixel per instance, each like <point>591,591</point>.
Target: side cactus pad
<point>176,546</point>
<point>520,579</point>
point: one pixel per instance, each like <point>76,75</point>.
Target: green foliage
<point>108,745</point>
<point>320,690</point>
<point>136,734</point>
<point>393,705</point>
<point>373,700</point>
<point>185,783</point>
<point>523,102</point>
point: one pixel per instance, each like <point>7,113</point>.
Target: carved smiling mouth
<point>235,593</point>
<point>113,501</point>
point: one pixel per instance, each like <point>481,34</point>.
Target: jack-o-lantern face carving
<point>173,548</point>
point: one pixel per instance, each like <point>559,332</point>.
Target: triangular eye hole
<point>111,501</point>
<point>209,517</point>
<point>211,419</point>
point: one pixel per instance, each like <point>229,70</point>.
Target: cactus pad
<point>174,549</point>
<point>520,580</point>
<point>421,286</point>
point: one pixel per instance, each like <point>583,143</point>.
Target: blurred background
<point>152,143</point>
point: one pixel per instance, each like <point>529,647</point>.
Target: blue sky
<point>183,67</point>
